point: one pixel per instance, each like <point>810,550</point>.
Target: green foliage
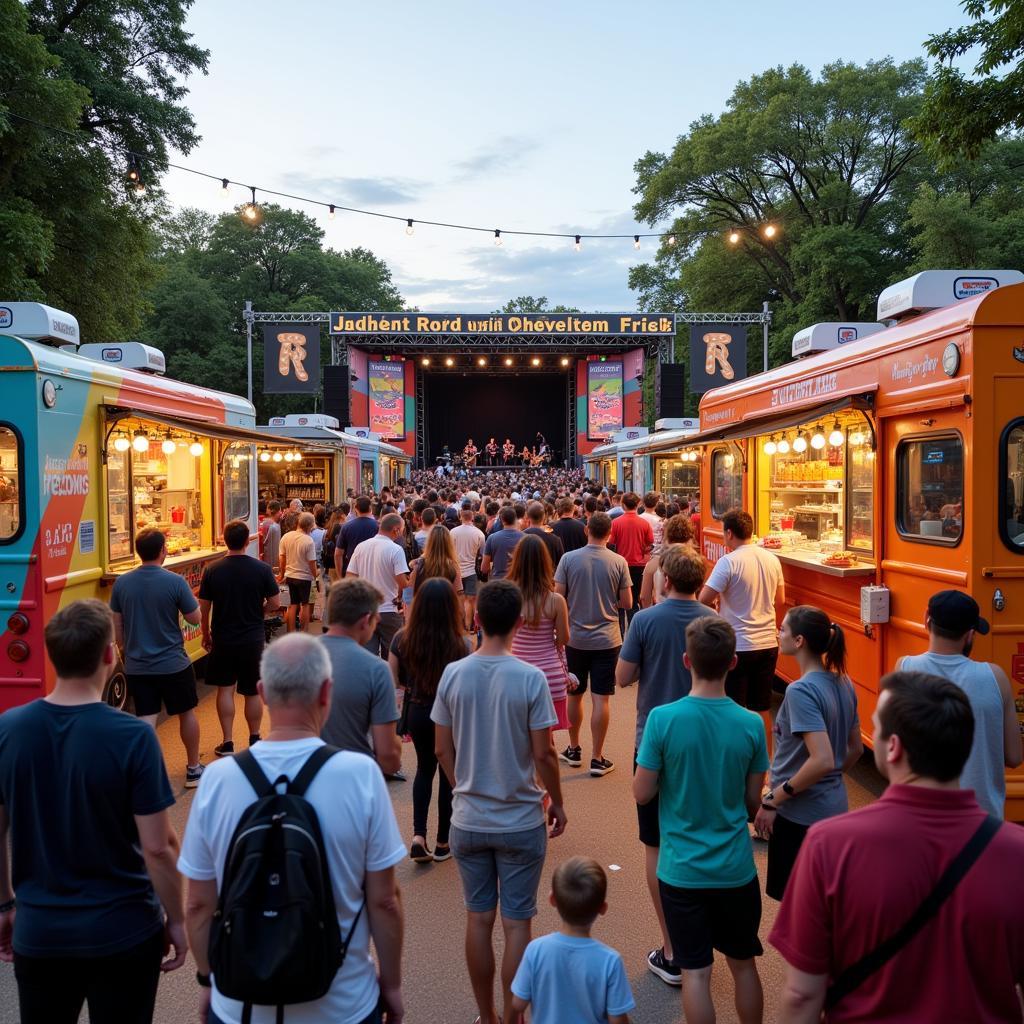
<point>210,266</point>
<point>961,114</point>
<point>528,304</point>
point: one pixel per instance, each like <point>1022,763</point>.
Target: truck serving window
<point>12,490</point>
<point>1010,502</point>
<point>726,482</point>
<point>930,489</point>
<point>237,477</point>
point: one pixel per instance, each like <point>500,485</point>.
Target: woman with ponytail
<point>817,738</point>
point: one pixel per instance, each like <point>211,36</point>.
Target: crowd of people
<point>473,619</point>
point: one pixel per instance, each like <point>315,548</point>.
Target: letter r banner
<point>291,359</point>
<point>718,355</point>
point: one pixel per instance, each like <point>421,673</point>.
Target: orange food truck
<point>886,465</point>
<point>94,445</point>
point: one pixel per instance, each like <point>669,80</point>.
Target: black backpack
<point>274,939</point>
<point>327,548</point>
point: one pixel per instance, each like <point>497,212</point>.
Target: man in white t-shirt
<point>360,836</point>
<point>657,523</point>
<point>381,560</point>
<point>748,585</point>
<point>469,542</point>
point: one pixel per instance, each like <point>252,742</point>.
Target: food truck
<point>627,461</point>
<point>330,464</point>
<point>94,445</point>
<point>884,466</point>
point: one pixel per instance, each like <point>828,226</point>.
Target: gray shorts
<point>469,586</point>
<point>501,864</point>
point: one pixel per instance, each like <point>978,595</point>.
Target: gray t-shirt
<point>817,702</point>
<point>500,546</point>
<point>593,577</point>
<point>149,600</point>
<point>655,641</point>
<point>272,543</point>
<point>491,704</point>
<point>363,695</point>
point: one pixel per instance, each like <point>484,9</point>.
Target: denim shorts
<point>505,865</point>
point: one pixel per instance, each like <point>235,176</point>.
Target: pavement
<point>602,824</point>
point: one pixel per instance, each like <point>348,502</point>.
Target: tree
<point>961,114</point>
<point>528,304</point>
<point>828,162</point>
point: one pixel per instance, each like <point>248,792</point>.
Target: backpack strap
<point>314,763</point>
<point>857,973</point>
<point>254,773</point>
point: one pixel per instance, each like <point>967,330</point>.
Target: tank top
<point>536,646</point>
<point>985,770</point>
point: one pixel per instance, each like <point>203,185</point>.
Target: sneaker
<point>442,852</point>
<point>657,964</point>
<point>193,775</point>
<point>254,738</point>
<point>398,776</point>
<point>572,756</point>
<point>420,854</point>
<point>227,747</point>
<point>601,766</point>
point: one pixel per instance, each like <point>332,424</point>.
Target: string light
<point>288,457</point>
<point>671,239</point>
<point>330,212</point>
<point>297,456</point>
<point>277,456</point>
<point>167,446</point>
<point>734,237</point>
<point>449,361</point>
<point>195,448</point>
<point>818,438</point>
<point>565,360</point>
<point>783,445</point>
<point>770,447</point>
<point>140,442</point>
<point>264,456</point>
<point>800,444</point>
<point>508,360</point>
<point>425,361</point>
<point>636,241</point>
<point>836,437</point>
<point>497,237</point>
<point>140,188</point>
<point>577,246</point>
<point>122,443</point>
<point>535,361</point>
<point>481,361</point>
<point>251,211</point>
<point>409,229</point>
<point>134,173</point>
<point>224,188</point>
<point>770,231</point>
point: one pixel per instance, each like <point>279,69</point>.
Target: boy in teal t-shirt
<point>705,758</point>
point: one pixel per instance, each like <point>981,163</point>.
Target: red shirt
<point>860,876</point>
<point>633,537</point>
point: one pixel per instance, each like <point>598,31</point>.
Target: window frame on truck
<point>1017,423</point>
<point>19,448</point>
<point>901,474</point>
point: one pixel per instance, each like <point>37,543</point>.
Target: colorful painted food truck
<point>885,467</point>
<point>94,445</point>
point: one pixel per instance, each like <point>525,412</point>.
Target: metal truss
<point>724,318</point>
<point>421,423</point>
<point>570,439</point>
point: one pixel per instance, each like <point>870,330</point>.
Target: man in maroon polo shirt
<point>634,540</point>
<point>861,876</point>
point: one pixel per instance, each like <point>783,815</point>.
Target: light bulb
<point>224,193</point>
<point>277,456</point>
<point>425,361</point>
<point>140,188</point>
<point>140,442</point>
<point>836,437</point>
<point>250,212</point>
<point>565,360</point>
<point>330,212</point>
<point>288,456</point>
<point>800,444</point>
<point>508,360</point>
<point>195,448</point>
<point>497,238</point>
<point>121,443</point>
<point>636,241</point>
<point>481,361</point>
<point>671,239</point>
<point>734,237</point>
<point>449,361</point>
<point>167,446</point>
<point>297,456</point>
<point>578,245</point>
<point>770,230</point>
<point>783,446</point>
<point>818,438</point>
<point>409,229</point>
<point>770,447</point>
<point>264,456</point>
<point>535,361</point>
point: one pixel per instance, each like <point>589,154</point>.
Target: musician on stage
<point>508,451</point>
<point>470,452</point>
<point>492,452</point>
<point>524,455</point>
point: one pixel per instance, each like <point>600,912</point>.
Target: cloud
<point>358,191</point>
<point>504,154</point>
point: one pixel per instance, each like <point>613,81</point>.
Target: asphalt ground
<point>602,824</point>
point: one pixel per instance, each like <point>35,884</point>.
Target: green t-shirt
<point>703,750</point>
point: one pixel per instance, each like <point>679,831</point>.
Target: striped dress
<point>536,645</point>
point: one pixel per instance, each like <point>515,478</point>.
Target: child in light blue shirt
<point>568,976</point>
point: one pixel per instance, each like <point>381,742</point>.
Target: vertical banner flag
<point>718,355</point>
<point>291,359</point>
<point>387,398</point>
<point>604,399</point>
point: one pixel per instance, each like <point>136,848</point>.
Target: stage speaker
<point>336,384</point>
<point>669,388</point>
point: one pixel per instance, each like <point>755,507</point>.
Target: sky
<point>519,115</point>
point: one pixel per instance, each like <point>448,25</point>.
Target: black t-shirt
<point>71,779</point>
<point>237,585</point>
<point>353,533</point>
<point>551,541</point>
<point>571,532</point>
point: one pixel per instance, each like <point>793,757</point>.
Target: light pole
<point>248,317</point>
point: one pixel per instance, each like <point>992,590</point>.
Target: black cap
<point>957,612</point>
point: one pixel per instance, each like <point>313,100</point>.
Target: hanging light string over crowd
<point>251,210</point>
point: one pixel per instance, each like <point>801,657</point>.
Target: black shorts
<point>175,691</point>
<point>699,921</point>
<point>786,839</point>
<point>593,668</point>
<point>235,665</point>
<point>750,682</point>
<point>647,819</point>
<point>298,590</point>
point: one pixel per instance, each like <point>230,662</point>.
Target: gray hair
<point>292,670</point>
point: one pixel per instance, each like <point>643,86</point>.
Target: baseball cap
<point>956,611</point>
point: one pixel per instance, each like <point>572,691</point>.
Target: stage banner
<point>604,399</point>
<point>632,325</point>
<point>718,355</point>
<point>291,359</point>
<point>387,398</point>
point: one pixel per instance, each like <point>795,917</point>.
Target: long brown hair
<point>439,557</point>
<point>432,638</point>
<point>532,572</point>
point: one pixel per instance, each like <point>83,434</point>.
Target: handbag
<point>572,681</point>
<point>857,973</point>
<point>402,725</point>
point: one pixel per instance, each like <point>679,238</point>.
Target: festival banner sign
<point>387,398</point>
<point>604,400</point>
<point>291,359</point>
<point>718,355</point>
